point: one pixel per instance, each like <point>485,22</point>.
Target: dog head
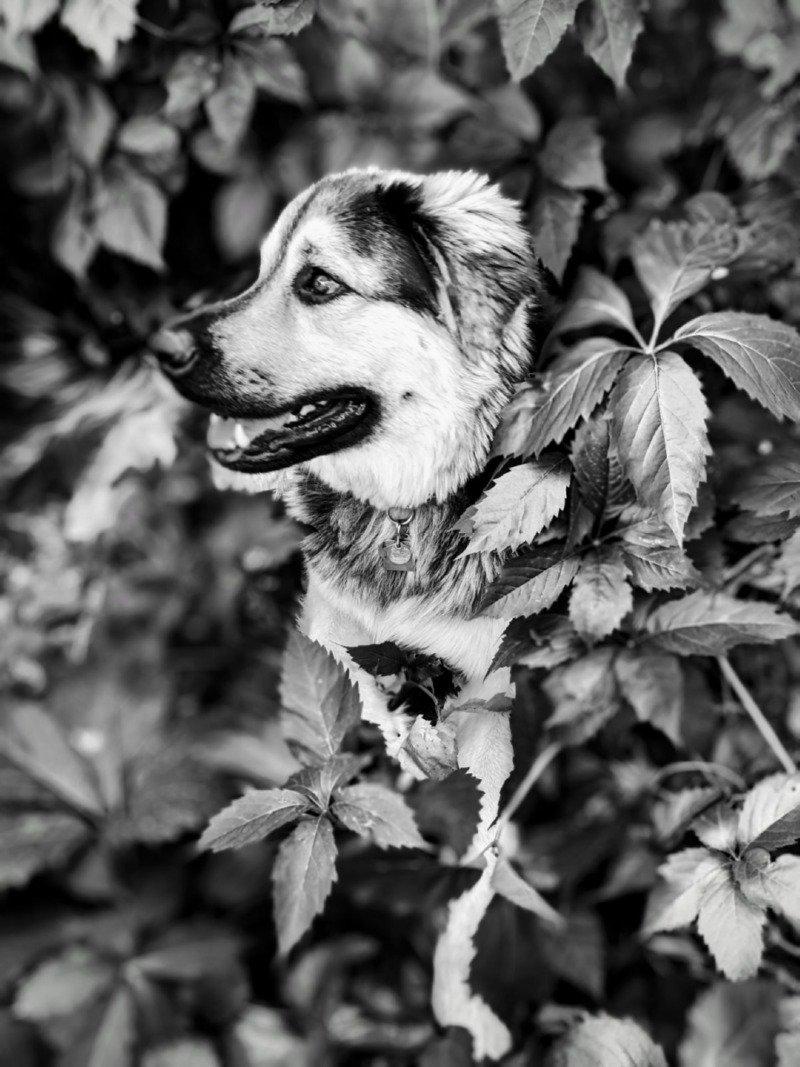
<point>385,331</point>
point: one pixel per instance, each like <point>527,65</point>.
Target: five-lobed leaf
<point>520,504</point>
<point>731,926</point>
<point>654,558</point>
<point>372,810</point>
<point>760,355</point>
<point>530,583</point>
<point>530,31</point>
<point>302,878</point>
<point>253,817</point>
<point>608,33</point>
<point>709,624</point>
<point>659,417</point>
<point>595,300</point>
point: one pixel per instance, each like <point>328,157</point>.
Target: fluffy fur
<point>440,285</point>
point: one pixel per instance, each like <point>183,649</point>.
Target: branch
<point>756,714</point>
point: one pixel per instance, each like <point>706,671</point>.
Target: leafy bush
<point>641,902</point>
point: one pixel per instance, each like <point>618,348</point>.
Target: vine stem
<point>535,771</point>
<point>756,714</point>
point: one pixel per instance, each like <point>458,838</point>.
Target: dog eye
<point>315,286</point>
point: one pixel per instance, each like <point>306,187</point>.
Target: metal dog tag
<point>397,556</point>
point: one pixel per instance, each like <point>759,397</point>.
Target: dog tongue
<point>238,433</point>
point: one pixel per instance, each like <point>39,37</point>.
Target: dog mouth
<point>312,426</point>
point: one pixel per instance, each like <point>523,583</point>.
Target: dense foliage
<point>642,902</point>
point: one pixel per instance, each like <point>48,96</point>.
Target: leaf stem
<point>535,771</point>
<point>710,770</point>
<point>760,720</point>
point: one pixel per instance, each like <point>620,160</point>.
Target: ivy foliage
<point>206,857</point>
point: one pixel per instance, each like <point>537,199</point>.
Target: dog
<point>361,377</point>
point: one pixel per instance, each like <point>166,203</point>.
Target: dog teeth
<point>307,409</point>
<point>240,435</point>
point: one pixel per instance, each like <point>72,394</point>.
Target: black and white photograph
<point>400,533</point>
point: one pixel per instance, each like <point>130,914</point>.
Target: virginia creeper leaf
<point>253,817</point>
<point>302,878</point>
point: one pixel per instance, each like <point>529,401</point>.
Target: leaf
<point>608,34</point>
<point>659,418</point>
<point>674,811</point>
<point>185,1052</point>
<point>777,886</point>
<point>99,25</point>
<point>555,224</point>
<point>431,748</point>
<point>189,80</point>
<point>603,1041</point>
<point>654,559</point>
<point>447,811</point>
<point>594,301</point>
<point>784,831</point>
<point>513,887</point>
<point>545,641</point>
<point>384,659</point>
<point>652,683</point>
<point>577,952</point>
<point>317,783</point>
<point>674,260</point>
<point>275,68</point>
<point>529,583</point>
<point>145,135</point>
<point>320,702</point>
<point>230,105</point>
<point>132,216</point>
<point>530,31</point>
<point>676,902</point>
<point>253,817</point>
<point>377,812</point>
<point>302,878</point>
<point>723,908</point>
<point>573,386</point>
<point>709,624</point>
<point>572,155</point>
<point>63,985</point>
<point>266,1040</point>
<point>111,1043</point>
<point>519,505</point>
<point>766,804</point>
<point>452,1000</point>
<point>31,842</point>
<point>32,741</point>
<point>759,355</point>
<point>584,696</point>
<point>288,17</point>
<point>601,596</point>
<point>732,1024</point>
<point>772,488</point>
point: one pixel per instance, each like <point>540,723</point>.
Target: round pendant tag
<point>399,553</point>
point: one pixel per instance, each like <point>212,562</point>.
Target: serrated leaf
<point>654,559</point>
<point>767,802</point>
<point>608,34</point>
<point>530,31</point>
<point>63,985</point>
<point>760,355</point>
<point>132,216</point>
<point>513,887</point>
<point>676,901</point>
<point>530,583</point>
<point>448,810</point>
<point>519,505</point>
<point>34,742</point>
<point>483,744</point>
<point>595,300</point>
<point>659,417</point>
<point>590,461</point>
<point>652,683</point>
<point>383,659</point>
<point>230,105</point>
<point>732,1024</point>
<point>776,886</point>
<point>99,25</point>
<point>378,813</point>
<point>320,702</point>
<point>572,155</point>
<point>253,817</point>
<point>546,642</point>
<point>302,878</point>
<point>723,909</point>
<point>709,624</point>
<point>112,1041</point>
<point>555,224</point>
<point>601,596</point>
<point>674,811</point>
<point>317,783</point>
<point>784,831</point>
<point>452,999</point>
<point>288,17</point>
<point>603,1041</point>
<point>583,694</point>
<point>573,386</point>
<point>31,842</point>
<point>674,260</point>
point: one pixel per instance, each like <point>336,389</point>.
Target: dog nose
<point>176,350</point>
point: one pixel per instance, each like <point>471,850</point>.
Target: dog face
<point>385,330</point>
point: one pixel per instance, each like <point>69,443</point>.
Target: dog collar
<point>396,553</point>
